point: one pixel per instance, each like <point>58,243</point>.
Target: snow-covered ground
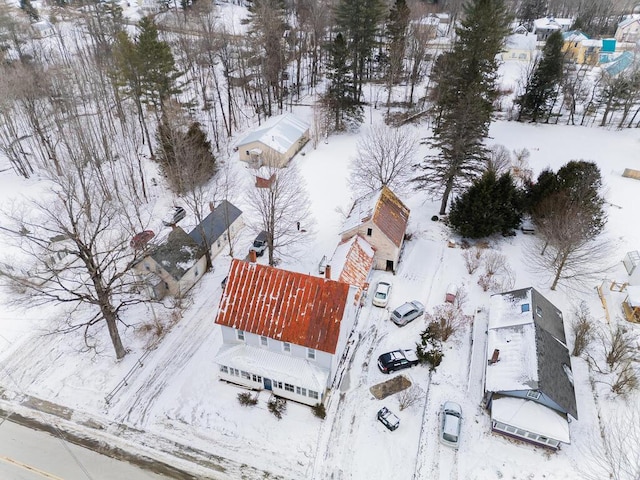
<point>175,399</point>
<point>174,404</point>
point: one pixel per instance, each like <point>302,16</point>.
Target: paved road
<point>27,454</point>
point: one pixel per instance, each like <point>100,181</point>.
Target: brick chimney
<point>253,257</point>
<point>327,272</point>
<point>494,357</point>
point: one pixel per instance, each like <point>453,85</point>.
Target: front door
<point>389,265</point>
<point>267,383</point>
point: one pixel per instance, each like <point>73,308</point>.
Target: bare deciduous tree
<point>582,328</point>
<point>498,275</point>
<point>409,397</point>
<point>614,454</point>
<point>385,157</point>
<point>446,319</point>
<point>76,252</point>
<point>499,159</point>
<point>282,210</point>
<point>472,259</point>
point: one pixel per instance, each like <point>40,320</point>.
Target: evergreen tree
<point>359,22</point>
<point>397,25</point>
<point>157,68</point>
<point>338,99</point>
<point>465,88</point>
<point>491,205</point>
<point>30,10</point>
<point>267,27</point>
<point>537,100</point>
<point>580,182</point>
<point>531,10</point>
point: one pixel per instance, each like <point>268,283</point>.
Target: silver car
<point>406,313</point>
<point>381,295</point>
<point>450,423</point>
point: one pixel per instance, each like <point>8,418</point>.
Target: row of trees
<point>567,207</point>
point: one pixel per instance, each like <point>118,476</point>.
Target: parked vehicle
<point>223,284</point>
<point>407,312</point>
<point>388,418</point>
<point>397,360</point>
<point>450,423</point>
<point>381,295</point>
<point>259,244</point>
<point>175,216</point>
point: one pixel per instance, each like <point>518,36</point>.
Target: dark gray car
<point>406,313</point>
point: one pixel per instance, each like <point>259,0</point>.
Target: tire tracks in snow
<point>134,406</point>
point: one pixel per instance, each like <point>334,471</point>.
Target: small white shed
<point>631,262</point>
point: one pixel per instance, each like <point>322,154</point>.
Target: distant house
<point>176,265</point>
<point>172,267</point>
<point>629,29</point>
<point>579,48</point>
<point>631,304</point>
<point>275,142</point>
<point>216,230</point>
<point>351,263</point>
<point>283,331</point>
<point>381,219</point>
<point>519,46</point>
<point>528,380</point>
<point>43,28</point>
<point>543,27</point>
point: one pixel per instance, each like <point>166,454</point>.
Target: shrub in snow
<point>582,328</point>
<point>319,410</point>
<point>410,396</point>
<point>247,400</point>
<point>277,406</point>
<point>429,350</point>
<point>444,321</point>
<point>472,259</point>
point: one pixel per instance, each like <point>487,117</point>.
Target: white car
<point>450,423</point>
<point>381,295</point>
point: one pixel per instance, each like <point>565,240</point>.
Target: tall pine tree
<point>359,22</point>
<point>338,100</point>
<point>465,88</point>
<point>537,100</point>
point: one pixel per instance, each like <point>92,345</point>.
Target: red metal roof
<point>287,306</point>
<point>391,216</point>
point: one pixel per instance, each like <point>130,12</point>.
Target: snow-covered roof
<point>574,36</point>
<point>387,211</point>
<point>280,132</point>
<point>528,331</point>
<point>178,253</point>
<point>629,20</point>
<point>550,23</point>
<point>633,295</point>
<point>592,43</point>
<point>284,368</point>
<point>521,41</point>
<point>530,416</point>
<point>511,331</point>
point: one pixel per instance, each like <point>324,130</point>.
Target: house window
<point>534,394</point>
<point>196,272</point>
<point>247,152</point>
<point>224,369</point>
<point>311,354</point>
<point>520,432</point>
<point>286,347</point>
<point>234,371</point>
<point>288,388</point>
<point>301,391</point>
<point>246,375</point>
<point>313,394</point>
<point>147,267</point>
<point>524,307</point>
<point>240,334</point>
<point>539,312</point>
<point>264,341</point>
<point>256,378</point>
<point>277,384</point>
<point>369,232</point>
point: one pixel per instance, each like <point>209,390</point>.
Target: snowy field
<point>174,401</point>
<point>173,406</point>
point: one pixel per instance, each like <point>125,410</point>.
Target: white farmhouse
<point>283,331</point>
